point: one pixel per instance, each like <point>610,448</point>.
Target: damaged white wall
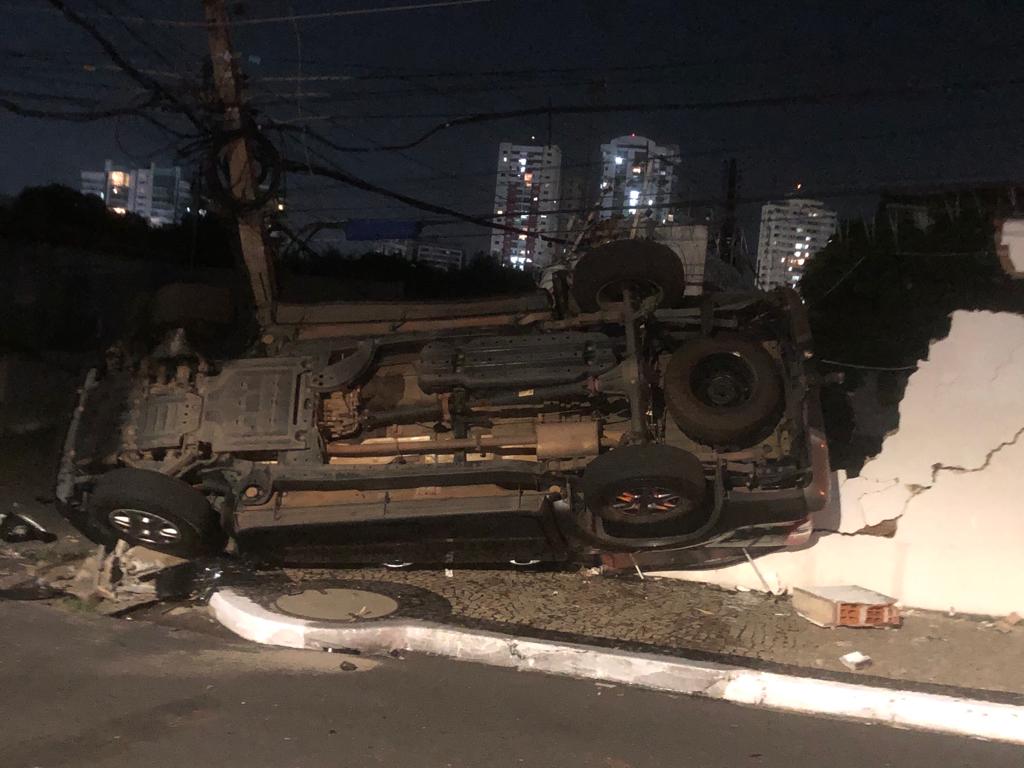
<point>951,479</point>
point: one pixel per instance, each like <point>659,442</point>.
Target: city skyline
<point>526,194</point>
<point>792,231</point>
<point>158,194</point>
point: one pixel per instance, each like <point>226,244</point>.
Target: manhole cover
<point>337,605</point>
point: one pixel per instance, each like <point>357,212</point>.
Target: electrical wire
<point>807,99</point>
<point>359,183</point>
<point>127,67</point>
<point>283,19</point>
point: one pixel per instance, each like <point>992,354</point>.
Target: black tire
<point>648,268</point>
<point>724,391</point>
<point>125,497</point>
<point>621,486</point>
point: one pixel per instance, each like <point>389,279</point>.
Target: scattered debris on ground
<point>18,527</point>
<point>855,661</point>
<point>114,581</point>
<point>1007,623</point>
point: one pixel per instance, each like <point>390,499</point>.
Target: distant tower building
<point>160,195</point>
<point>526,196</point>
<point>791,232</point>
<point>638,175</point>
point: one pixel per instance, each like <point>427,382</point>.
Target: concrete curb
<point>908,709</point>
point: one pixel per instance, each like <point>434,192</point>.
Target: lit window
<point>119,178</point>
<point>522,161</point>
<point>504,159</point>
<point>528,178</point>
<point>638,169</point>
<point>618,161</point>
<point>119,211</point>
<point>634,195</point>
<point>650,201</point>
<point>522,237</point>
<point>499,211</point>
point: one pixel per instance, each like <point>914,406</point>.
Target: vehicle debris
<point>846,606</point>
<point>855,661</point>
<point>1006,624</point>
<point>114,580</point>
<point>17,527</point>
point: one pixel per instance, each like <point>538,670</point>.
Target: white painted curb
<point>909,709</point>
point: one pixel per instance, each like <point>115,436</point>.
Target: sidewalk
<point>707,623</point>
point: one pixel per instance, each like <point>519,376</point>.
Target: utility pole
<point>727,233</point>
<point>256,252</point>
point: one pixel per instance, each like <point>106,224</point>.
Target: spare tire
<point>646,484</point>
<point>724,390</point>
<point>646,267</point>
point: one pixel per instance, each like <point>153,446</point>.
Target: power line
<point>487,221</point>
<point>354,181</point>
<point>279,19</point>
<point>870,367</point>
<point>127,67</point>
<point>806,99</point>
<point>80,116</point>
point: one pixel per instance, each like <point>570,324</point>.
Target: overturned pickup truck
<point>618,421</point>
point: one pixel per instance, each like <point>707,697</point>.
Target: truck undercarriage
<point>447,434</point>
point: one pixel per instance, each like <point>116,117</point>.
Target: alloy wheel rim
<point>145,527</point>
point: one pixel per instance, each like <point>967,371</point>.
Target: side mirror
<point>16,527</point>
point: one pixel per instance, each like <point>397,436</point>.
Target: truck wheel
<point>645,267</point>
<point>644,484</point>
<point>723,391</point>
<point>154,511</point>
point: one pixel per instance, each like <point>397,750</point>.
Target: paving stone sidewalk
<point>691,619</point>
<point>659,615</point>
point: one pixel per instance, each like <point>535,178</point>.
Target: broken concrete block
<point>139,561</point>
<point>846,606</point>
<point>855,660</point>
<point>86,579</point>
<point>1007,623</point>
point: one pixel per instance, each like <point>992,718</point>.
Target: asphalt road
<point>79,690</point>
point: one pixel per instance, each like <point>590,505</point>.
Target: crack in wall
<point>937,468</point>
<point>887,527</point>
<point>1009,359</point>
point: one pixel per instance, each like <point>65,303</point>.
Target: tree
<point>59,216</point>
<point>878,296</point>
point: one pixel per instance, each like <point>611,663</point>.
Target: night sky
<point>392,76</point>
